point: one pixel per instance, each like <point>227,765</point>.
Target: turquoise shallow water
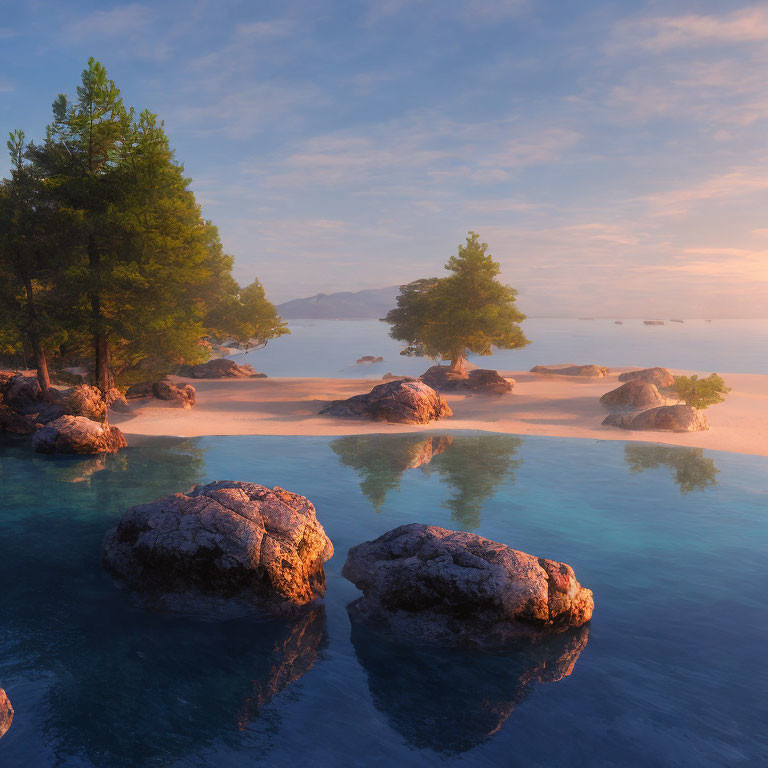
<point>671,672</point>
<point>330,348</point>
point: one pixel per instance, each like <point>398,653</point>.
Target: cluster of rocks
<point>479,380</point>
<point>241,540</point>
<point>404,401</point>
<point>571,370</point>
<point>223,368</point>
<point>69,421</point>
<point>639,405</point>
<point>183,395</point>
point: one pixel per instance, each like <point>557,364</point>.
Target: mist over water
<point>329,348</point>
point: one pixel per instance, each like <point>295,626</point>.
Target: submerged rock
<point>571,370</point>
<point>453,701</point>
<point>458,589</point>
<point>183,394</point>
<point>666,418</point>
<point>76,434</point>
<point>633,395</point>
<point>6,713</point>
<point>228,539</point>
<point>223,368</point>
<point>404,401</point>
<point>660,377</point>
<point>480,380</point>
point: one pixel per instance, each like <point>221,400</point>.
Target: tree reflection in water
<point>693,471</point>
<point>451,701</point>
<point>474,466</point>
<point>380,460</point>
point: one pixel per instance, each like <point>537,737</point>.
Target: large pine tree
<point>468,312</point>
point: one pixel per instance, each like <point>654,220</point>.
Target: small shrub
<point>700,393</point>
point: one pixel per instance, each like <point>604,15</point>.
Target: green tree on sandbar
<point>700,393</point>
<point>469,312</point>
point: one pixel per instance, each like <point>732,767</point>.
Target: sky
<point>614,156</point>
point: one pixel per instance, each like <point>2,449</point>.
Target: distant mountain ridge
<point>371,304</point>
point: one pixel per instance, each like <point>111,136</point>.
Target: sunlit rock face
<point>633,395</point>
<point>404,401</point>
<point>183,395</point>
<point>478,380</point>
<point>454,588</point>
<point>571,370</point>
<point>6,713</point>
<point>454,700</point>
<point>660,377</point>
<point>77,435</point>
<point>228,539</point>
<point>666,418</point>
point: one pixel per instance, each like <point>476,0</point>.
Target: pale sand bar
<point>559,406</point>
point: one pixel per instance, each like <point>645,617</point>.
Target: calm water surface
<point>331,347</point>
<point>671,671</point>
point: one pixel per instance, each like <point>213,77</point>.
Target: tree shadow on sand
<point>693,471</point>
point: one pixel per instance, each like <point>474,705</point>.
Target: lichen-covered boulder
<point>666,418</point>
<point>228,539</point>
<point>633,395</point>
<point>660,377</point>
<point>85,400</point>
<point>404,401</point>
<point>571,370</point>
<point>457,588</point>
<point>6,713</point>
<point>181,394</point>
<point>223,368</point>
<point>78,435</point>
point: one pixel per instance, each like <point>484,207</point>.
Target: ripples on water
<point>670,672</point>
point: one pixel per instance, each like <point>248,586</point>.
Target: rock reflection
<point>161,692</point>
<point>474,466</point>
<point>693,471</point>
<point>451,701</point>
<point>381,460</point>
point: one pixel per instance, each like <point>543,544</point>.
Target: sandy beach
<point>540,405</point>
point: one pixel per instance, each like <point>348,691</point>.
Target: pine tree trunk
<point>38,352</point>
<point>102,373</point>
<point>458,364</point>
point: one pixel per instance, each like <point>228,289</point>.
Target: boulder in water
<point>666,418</point>
<point>404,401</point>
<point>456,588</point>
<point>78,435</point>
<point>660,377</point>
<point>6,713</point>
<point>632,396</point>
<point>367,359</point>
<point>571,370</point>
<point>226,539</point>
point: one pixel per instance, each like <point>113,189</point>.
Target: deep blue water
<point>331,347</point>
<point>673,672</point>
